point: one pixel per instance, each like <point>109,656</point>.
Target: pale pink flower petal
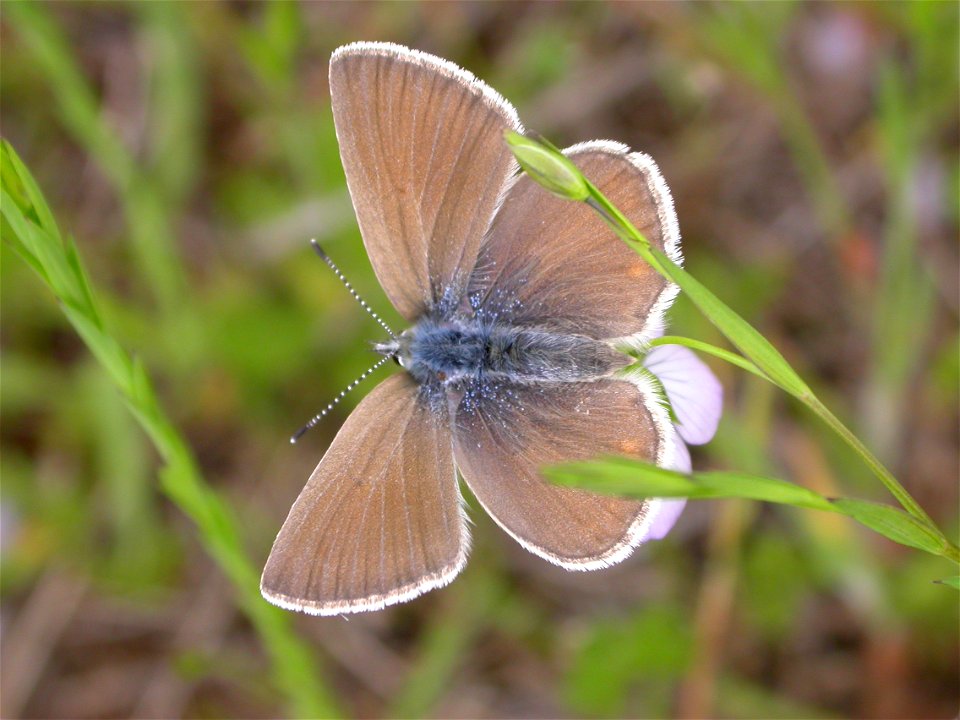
<point>667,517</point>
<point>693,390</point>
<point>670,509</point>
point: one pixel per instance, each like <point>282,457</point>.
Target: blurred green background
<point>189,149</point>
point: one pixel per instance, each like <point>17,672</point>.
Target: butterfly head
<point>397,348</point>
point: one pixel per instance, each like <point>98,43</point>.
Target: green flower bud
<point>547,166</point>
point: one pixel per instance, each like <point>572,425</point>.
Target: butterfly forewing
<point>422,146</point>
<point>379,521</point>
<point>504,434</point>
<point>549,261</point>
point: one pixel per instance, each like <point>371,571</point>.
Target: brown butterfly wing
<point>422,146</point>
<point>550,261</point>
<point>379,521</point>
<point>504,434</point>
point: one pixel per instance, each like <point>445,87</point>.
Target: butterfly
<point>519,305</point>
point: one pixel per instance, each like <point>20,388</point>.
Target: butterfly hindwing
<point>504,434</point>
<point>379,520</point>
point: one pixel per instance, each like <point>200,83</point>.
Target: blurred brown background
<point>812,153</point>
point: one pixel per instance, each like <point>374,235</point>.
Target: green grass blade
<point>47,256</point>
<point>637,479</point>
<point>709,349</point>
<point>748,340</point>
<point>753,345</point>
<point>294,667</point>
<point>766,357</point>
<point>877,467</point>
<point>633,478</point>
<point>743,335</point>
<point>892,523</point>
<point>21,234</point>
<point>16,177</point>
<point>148,217</point>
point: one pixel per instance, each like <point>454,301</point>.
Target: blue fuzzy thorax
<point>465,349</point>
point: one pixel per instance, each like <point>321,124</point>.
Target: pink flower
<point>697,400</point>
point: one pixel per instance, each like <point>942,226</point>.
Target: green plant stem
<point>148,213</point>
<point>773,365</point>
<point>730,357</point>
<point>29,227</point>
<point>879,469</point>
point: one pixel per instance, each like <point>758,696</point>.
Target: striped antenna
<point>349,287</point>
<point>319,416</point>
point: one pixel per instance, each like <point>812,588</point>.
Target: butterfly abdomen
<point>470,349</point>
